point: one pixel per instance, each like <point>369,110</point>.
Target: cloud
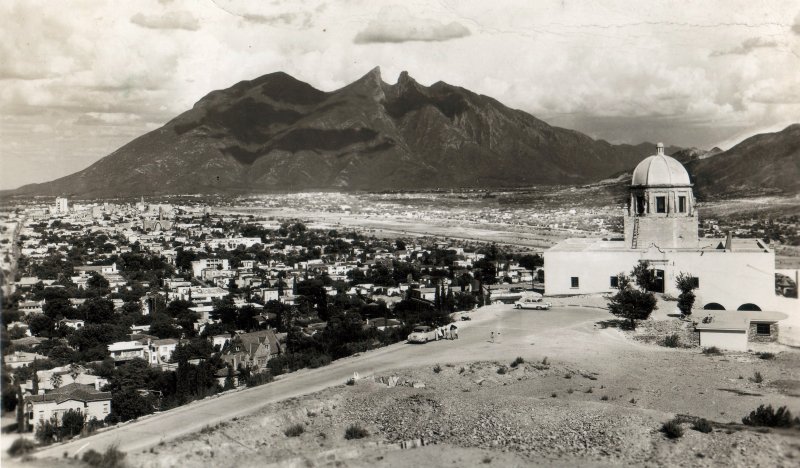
<point>796,25</point>
<point>747,46</point>
<point>171,20</point>
<point>398,25</point>
<point>302,19</point>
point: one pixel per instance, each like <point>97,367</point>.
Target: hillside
<point>276,133</point>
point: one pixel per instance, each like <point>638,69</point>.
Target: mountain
<point>276,133</point>
<point>768,163</point>
<point>687,155</point>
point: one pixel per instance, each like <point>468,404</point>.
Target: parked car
<point>465,317</point>
<point>422,334</point>
<point>532,303</point>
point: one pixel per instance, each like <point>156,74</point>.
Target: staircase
<point>635,240</point>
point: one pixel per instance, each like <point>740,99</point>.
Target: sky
<point>79,79</point>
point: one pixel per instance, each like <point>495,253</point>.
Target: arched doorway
<point>749,306</point>
<point>713,306</point>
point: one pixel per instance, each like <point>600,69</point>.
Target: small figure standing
<point>453,332</point>
<point>492,337</point>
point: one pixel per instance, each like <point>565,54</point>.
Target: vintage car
<point>532,303</point>
<point>422,334</point>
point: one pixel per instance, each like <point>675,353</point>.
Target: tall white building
<point>661,228</point>
<point>62,206</point>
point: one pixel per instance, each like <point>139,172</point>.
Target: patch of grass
<point>517,362</point>
<point>295,430</point>
<point>437,368</point>
<point>354,431</point>
<point>766,356</point>
<point>672,429</point>
<point>21,446</point>
<point>766,416</point>
<point>672,341</point>
<point>757,377</point>
<point>702,425</point>
<point>111,458</point>
<point>712,351</point>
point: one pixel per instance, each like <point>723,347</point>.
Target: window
<point>763,329</point>
<point>614,282</point>
<point>640,205</point>
<point>682,204</point>
<point>661,204</point>
<point>575,282</point>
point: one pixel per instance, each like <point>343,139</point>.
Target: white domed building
<point>661,228</point>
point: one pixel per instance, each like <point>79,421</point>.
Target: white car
<point>423,334</point>
<point>536,304</point>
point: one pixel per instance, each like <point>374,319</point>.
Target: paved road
<point>517,333</point>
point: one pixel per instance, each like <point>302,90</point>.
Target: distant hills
<point>276,133</point>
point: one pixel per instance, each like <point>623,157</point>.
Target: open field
<point>612,394</point>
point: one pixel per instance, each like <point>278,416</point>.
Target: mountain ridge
<point>277,133</point>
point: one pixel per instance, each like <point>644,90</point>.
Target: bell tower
<point>661,207</point>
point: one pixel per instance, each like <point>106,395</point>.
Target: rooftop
<point>706,245</point>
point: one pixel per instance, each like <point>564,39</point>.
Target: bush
<point>351,381</point>
<point>672,429</point>
<point>261,378</point>
<point>703,425</point>
<point>712,351</point>
<point>672,341</point>
<point>517,361</point>
<point>21,446</point>
<point>766,356</point>
<point>768,417</point>
<point>355,431</point>
<point>757,377</point>
<point>112,458</point>
<point>437,368</point>
<point>502,370</point>
<point>545,362</point>
<point>295,430</point>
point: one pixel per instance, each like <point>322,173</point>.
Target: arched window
<point>713,306</point>
<point>749,306</point>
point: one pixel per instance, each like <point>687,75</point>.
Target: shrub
<point>21,446</point>
<point>712,351</point>
<point>589,390</point>
<point>355,431</point>
<point>766,356</point>
<point>757,377</point>
<point>437,368</point>
<point>461,371</point>
<point>672,429</point>
<point>570,391</point>
<point>517,361</point>
<point>672,341</point>
<point>545,362</point>
<point>568,376</point>
<point>350,381</point>
<point>295,430</point>
<point>261,378</point>
<point>112,458</point>
<point>769,417</point>
<point>702,425</point>
<point>633,401</point>
<point>502,370</point>
<point>553,395</point>
<point>604,398</point>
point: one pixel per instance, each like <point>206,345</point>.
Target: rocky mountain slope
<point>762,164</point>
<point>276,133</point>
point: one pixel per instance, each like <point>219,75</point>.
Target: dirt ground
<point>552,412</point>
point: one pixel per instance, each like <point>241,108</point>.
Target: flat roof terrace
<point>707,245</point>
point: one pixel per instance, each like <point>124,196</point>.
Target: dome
<point>660,170</point>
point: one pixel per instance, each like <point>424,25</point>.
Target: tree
<point>55,380</point>
<point>229,379</point>
<point>71,423</point>
<point>128,404</point>
<point>686,283</point>
<point>645,277</point>
<point>631,304</point>
<point>97,310</point>
<point>41,325</point>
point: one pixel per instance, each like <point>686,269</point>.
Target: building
<point>252,350</point>
<point>209,263</point>
<point>661,228</point>
<point>62,206</point>
<point>123,351</point>
<point>74,396</point>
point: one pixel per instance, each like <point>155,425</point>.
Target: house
<point>66,375</point>
<point>74,396</point>
<point>734,332</point>
<point>222,375</point>
<point>252,350</point>
<point>160,351</point>
<point>75,324</point>
<point>22,358</point>
<point>30,307</point>
<point>123,351</point>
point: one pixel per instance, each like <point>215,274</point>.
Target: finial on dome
<point>660,147</point>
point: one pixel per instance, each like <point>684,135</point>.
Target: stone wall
<point>752,336</point>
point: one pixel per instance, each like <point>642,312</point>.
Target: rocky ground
<point>483,413</point>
